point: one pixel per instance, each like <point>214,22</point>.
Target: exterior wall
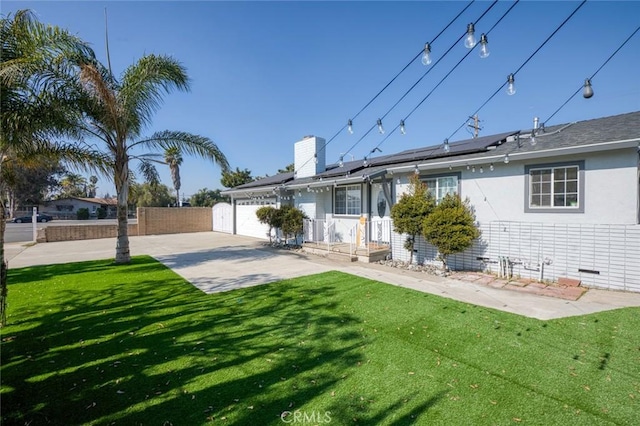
<point>610,190</point>
<point>601,256</point>
<point>304,151</point>
<point>600,247</point>
<point>59,208</point>
<point>166,220</point>
<point>55,233</point>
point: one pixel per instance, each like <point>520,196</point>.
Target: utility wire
<point>392,80</point>
<point>593,75</point>
<point>522,66</point>
<point>420,79</point>
<point>447,75</point>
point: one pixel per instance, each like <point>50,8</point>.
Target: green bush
<point>270,216</point>
<point>451,227</point>
<point>292,221</point>
<point>101,213</point>
<point>409,213</point>
<point>83,214</point>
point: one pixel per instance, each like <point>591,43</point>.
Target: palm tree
<point>173,158</point>
<point>117,111</point>
<point>34,106</point>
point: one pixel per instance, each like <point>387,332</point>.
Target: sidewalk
<point>216,262</point>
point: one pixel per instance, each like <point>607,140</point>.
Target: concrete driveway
<point>211,261</point>
<point>216,262</point>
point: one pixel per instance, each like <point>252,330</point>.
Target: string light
<point>350,126</point>
<point>470,39</point>
<point>506,158</point>
<point>491,167</point>
<point>416,170</point>
<point>380,128</point>
<point>511,88</point>
<point>587,92</point>
<point>402,129</point>
<point>446,145</point>
<point>484,46</point>
<point>426,56</point>
<point>532,140</point>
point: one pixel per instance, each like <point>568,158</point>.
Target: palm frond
<point>143,85</point>
<point>187,143</point>
<point>149,172</point>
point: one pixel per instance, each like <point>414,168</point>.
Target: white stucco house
<point>561,201</point>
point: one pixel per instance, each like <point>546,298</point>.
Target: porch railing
<point>362,236</point>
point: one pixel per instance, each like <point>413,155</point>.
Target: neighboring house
<point>561,201</point>
<point>67,208</point>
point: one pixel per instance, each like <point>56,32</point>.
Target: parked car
<point>39,218</point>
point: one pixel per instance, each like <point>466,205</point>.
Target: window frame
<point>457,175</point>
<point>346,203</point>
<point>528,208</point>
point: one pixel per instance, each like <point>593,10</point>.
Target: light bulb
<point>473,169</point>
<point>380,128</point>
<point>532,140</point>
<point>365,163</point>
<point>491,167</point>
<point>341,161</point>
<point>481,169</point>
<point>426,56</point>
<point>446,145</point>
<point>506,159</point>
<point>402,129</point>
<point>470,39</point>
<point>587,92</point>
<point>511,87</point>
<point>416,170</point>
<point>484,46</point>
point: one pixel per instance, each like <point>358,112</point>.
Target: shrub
<point>292,222</point>
<point>410,211</point>
<point>270,216</point>
<point>83,214</point>
<point>101,213</point>
<point>451,227</point>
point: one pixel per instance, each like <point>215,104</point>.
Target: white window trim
<point>456,175</point>
<point>346,207</point>
<point>551,209</point>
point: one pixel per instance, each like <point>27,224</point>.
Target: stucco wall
<point>610,187</point>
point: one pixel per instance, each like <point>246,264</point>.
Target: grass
<point>91,343</point>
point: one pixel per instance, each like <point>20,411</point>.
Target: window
<point>440,186</point>
<point>555,188</point>
<point>348,200</point>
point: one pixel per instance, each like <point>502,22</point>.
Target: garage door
<point>246,220</point>
<point>223,218</point>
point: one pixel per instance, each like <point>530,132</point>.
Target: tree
<point>29,186</point>
<point>116,111</point>
<point>231,179</point>
<point>451,227</point>
<point>34,105</point>
<point>207,198</point>
<point>73,185</point>
<point>290,168</point>
<point>409,212</point>
<point>271,217</point>
<point>292,221</point>
<point>173,158</point>
<point>93,186</point>
<point>150,195</point>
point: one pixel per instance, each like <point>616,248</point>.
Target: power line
<point>523,64</point>
<point>593,75</point>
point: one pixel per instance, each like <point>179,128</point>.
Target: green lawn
<point>91,343</point>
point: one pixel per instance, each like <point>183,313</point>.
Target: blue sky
<point>265,74</point>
